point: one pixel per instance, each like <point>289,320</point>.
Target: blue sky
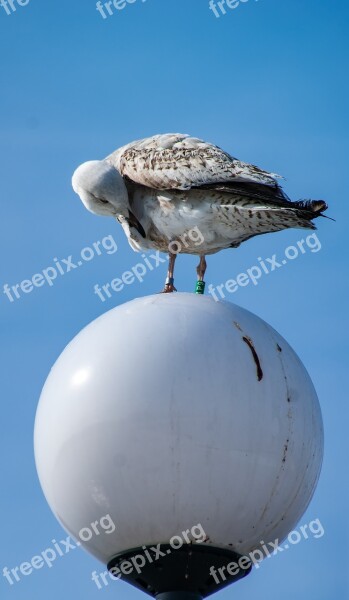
<point>266,82</point>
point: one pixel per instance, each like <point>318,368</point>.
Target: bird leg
<point>201,269</point>
<point>169,287</point>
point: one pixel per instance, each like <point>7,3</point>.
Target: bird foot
<point>169,287</point>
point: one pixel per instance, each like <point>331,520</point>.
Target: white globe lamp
<point>193,425</point>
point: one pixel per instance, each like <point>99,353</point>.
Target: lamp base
<point>191,572</point>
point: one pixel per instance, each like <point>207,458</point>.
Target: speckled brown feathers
<point>177,161</point>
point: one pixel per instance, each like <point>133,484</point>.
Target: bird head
<point>101,188</point>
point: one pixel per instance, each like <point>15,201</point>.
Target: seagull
<point>162,188</point>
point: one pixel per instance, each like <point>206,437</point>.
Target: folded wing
<point>180,162</point>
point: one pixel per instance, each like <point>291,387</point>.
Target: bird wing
<point>181,162</point>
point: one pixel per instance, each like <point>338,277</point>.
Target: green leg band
<point>200,287</point>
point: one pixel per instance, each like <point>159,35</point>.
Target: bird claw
<point>169,287</point>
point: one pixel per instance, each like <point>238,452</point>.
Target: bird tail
<point>313,208</point>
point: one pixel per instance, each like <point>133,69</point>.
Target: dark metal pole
<point>178,596</point>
